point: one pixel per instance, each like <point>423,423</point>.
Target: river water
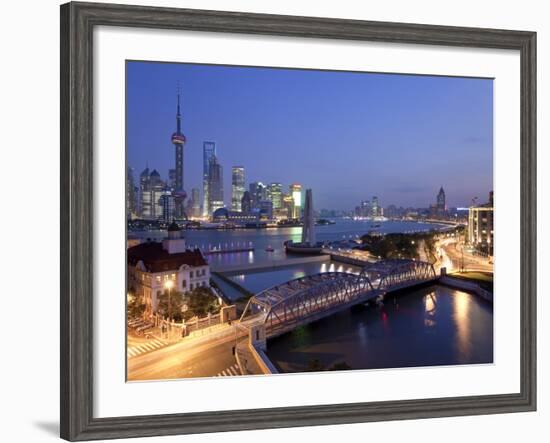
<point>430,326</point>
<point>261,239</point>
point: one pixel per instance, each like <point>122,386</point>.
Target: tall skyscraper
<point>158,189</point>
<point>195,202</point>
<point>276,195</point>
<point>144,194</point>
<point>258,192</point>
<point>172,178</point>
<point>237,187</point>
<point>441,205</point>
<point>151,189</point>
<point>296,193</point>
<point>167,202</point>
<point>131,206</point>
<point>375,207</point>
<point>215,186</point>
<point>246,203</point>
<point>208,153</point>
<point>365,210</point>
<point>178,140</point>
<point>288,205</point>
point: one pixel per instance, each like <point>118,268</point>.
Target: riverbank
<point>267,265</point>
<point>467,285</point>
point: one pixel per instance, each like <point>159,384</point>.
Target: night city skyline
<point>284,221</point>
<point>399,137</point>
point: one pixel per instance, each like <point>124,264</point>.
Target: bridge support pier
<point>228,313</point>
<point>257,337</point>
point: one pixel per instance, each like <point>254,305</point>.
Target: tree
<point>200,302</point>
<point>170,304</point>
<point>136,307</point>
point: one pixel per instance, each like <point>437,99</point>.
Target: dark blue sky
<point>348,136</point>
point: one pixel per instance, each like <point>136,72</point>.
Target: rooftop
<point>157,259</point>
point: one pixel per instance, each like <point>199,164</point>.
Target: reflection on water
<point>430,326</point>
<point>430,305</point>
<point>264,239</point>
<point>462,322</point>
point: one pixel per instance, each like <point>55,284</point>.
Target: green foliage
<point>392,245</point>
<point>200,302</point>
<point>170,304</point>
<point>136,307</point>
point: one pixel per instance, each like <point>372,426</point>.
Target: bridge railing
<point>309,298</point>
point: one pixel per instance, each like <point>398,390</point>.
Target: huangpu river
<point>430,326</point>
<point>273,238</point>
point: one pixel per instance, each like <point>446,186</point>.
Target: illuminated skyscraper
<point>151,189</point>
<point>258,192</point>
<point>144,194</point>
<point>208,153</point>
<point>246,203</point>
<point>365,209</point>
<point>195,202</point>
<point>375,207</point>
<point>276,195</point>
<point>178,140</point>
<point>215,185</point>
<point>237,187</point>
<point>296,193</point>
<point>441,205</point>
<point>288,205</point>
<point>131,194</point>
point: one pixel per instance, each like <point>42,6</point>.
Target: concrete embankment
<point>348,260</point>
<point>263,266</point>
<point>469,286</point>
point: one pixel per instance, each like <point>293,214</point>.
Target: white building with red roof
<point>154,266</point>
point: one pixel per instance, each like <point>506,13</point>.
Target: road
<point>454,258</point>
<point>189,358</point>
<point>138,345</point>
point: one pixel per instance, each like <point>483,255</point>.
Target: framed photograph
<point>273,221</point>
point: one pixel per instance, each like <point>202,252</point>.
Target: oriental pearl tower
<point>178,140</point>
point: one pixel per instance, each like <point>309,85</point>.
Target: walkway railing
<point>306,299</point>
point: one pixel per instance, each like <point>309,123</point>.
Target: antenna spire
<point>178,114</point>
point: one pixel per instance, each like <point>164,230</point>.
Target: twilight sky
<point>348,136</point>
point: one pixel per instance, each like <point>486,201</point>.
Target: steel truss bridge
<point>306,299</point>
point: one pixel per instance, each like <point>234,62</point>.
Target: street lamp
<point>169,284</point>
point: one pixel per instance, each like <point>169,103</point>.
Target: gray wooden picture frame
<point>77,218</point>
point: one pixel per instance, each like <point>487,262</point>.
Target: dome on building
<point>220,214</point>
<point>155,173</point>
